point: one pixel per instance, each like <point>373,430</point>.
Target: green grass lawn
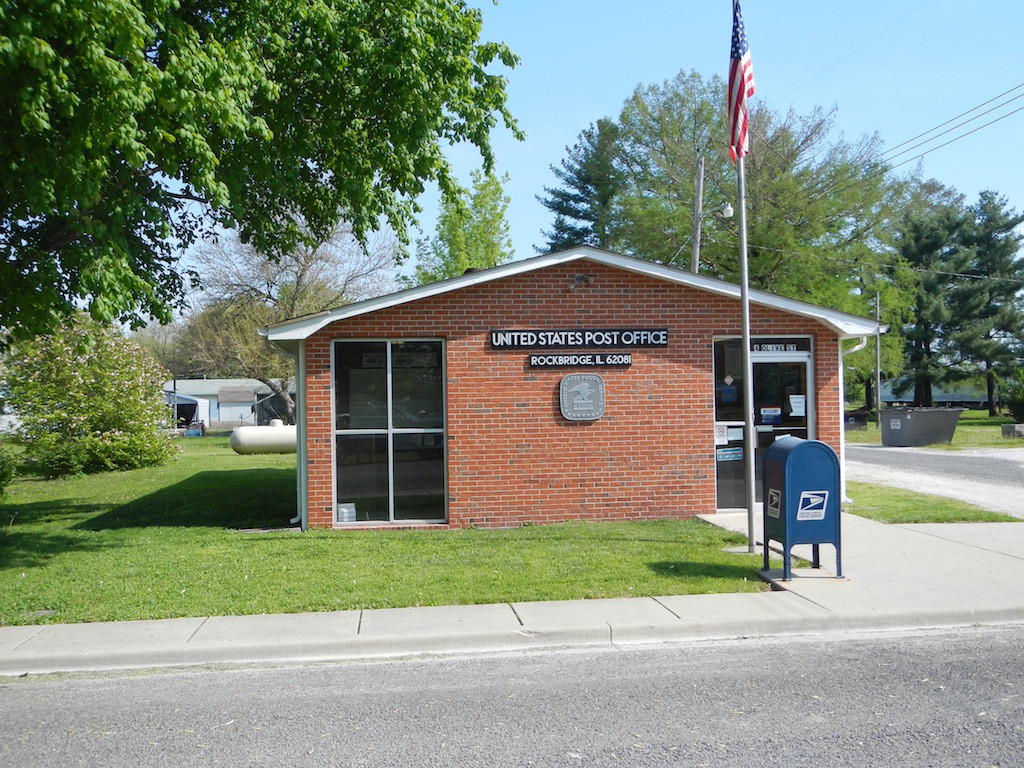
<point>976,429</point>
<point>893,505</point>
<point>165,542</point>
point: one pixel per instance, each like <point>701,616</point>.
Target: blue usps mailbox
<point>801,499</point>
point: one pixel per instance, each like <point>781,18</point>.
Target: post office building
<point>575,385</point>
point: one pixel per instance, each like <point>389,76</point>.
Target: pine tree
<point>928,244</point>
<point>583,204</point>
<point>987,311</point>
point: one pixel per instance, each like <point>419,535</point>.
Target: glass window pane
<point>419,477</point>
<point>362,477</point>
<point>729,380</point>
<point>360,385</point>
<point>416,385</point>
<point>730,472</point>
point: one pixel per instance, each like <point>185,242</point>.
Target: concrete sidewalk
<point>897,576</point>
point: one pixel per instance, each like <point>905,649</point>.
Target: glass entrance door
<point>783,396</point>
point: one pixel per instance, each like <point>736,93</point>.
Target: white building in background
<point>221,402</point>
<point>187,408</point>
<point>964,394</point>
<point>8,423</point>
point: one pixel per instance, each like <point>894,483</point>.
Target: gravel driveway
<point>991,478</point>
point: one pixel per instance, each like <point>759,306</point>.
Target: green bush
<point>88,400</point>
<point>8,469</point>
<point>99,453</point>
<point>1013,397</point>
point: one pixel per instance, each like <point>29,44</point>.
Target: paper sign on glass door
<point>798,405</point>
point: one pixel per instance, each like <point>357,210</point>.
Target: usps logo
<point>812,505</point>
<point>774,496</point>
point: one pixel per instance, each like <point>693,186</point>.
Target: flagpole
<point>749,438</point>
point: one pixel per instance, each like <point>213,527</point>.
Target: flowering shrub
<point>88,400</point>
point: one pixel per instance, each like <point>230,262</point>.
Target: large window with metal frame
<point>389,433</point>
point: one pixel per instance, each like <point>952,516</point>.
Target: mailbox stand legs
<point>787,568</point>
<point>816,558</point>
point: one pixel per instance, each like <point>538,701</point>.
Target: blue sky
<point>899,67</point>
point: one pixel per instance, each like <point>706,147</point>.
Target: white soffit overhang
<point>847,326</point>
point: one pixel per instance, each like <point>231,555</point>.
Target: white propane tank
<point>277,438</point>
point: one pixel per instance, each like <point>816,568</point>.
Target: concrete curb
<point>898,578</point>
<point>65,648</point>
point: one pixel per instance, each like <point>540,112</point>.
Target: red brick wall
<point>512,457</point>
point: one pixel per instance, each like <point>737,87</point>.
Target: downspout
<point>863,342</point>
<point>301,471</point>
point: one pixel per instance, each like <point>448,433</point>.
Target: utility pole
<point>698,214</point>
<point>878,359</point>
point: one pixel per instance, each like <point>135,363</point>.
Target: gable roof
<point>847,326</point>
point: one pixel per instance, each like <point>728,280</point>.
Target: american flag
<point>741,86</point>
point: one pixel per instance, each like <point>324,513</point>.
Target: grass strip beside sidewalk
<point>894,505</point>
<point>164,542</point>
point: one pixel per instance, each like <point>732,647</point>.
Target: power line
<point>833,186</point>
<point>857,180</point>
<point>879,173</point>
<point>860,47</point>
<point>957,117</point>
<point>958,125</point>
<point>886,265</point>
<point>961,136</point>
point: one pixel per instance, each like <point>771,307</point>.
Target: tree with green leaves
<point>246,290</point>
<point>986,327</point>
<point>471,233</point>
<point>583,204</point>
<point>894,289</point>
<point>87,400</point>
<point>130,128</point>
<point>928,246</point>
<point>819,209</point>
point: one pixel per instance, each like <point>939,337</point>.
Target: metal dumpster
<point>918,426</point>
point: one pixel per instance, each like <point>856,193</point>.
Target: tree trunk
<point>923,393</point>
<point>869,394</point>
<point>990,382</point>
<point>281,390</point>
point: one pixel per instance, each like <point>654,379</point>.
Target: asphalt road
<point>991,478</point>
<point>996,466</point>
<point>951,698</point>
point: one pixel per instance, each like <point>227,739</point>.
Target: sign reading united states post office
<point>580,338</point>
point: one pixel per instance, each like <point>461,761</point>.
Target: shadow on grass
<point>244,498</point>
<point>51,511</point>
<point>31,549</point>
<point>240,498</point>
<point>678,569</point>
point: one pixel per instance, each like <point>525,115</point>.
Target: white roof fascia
<point>304,327</point>
<point>846,325</point>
